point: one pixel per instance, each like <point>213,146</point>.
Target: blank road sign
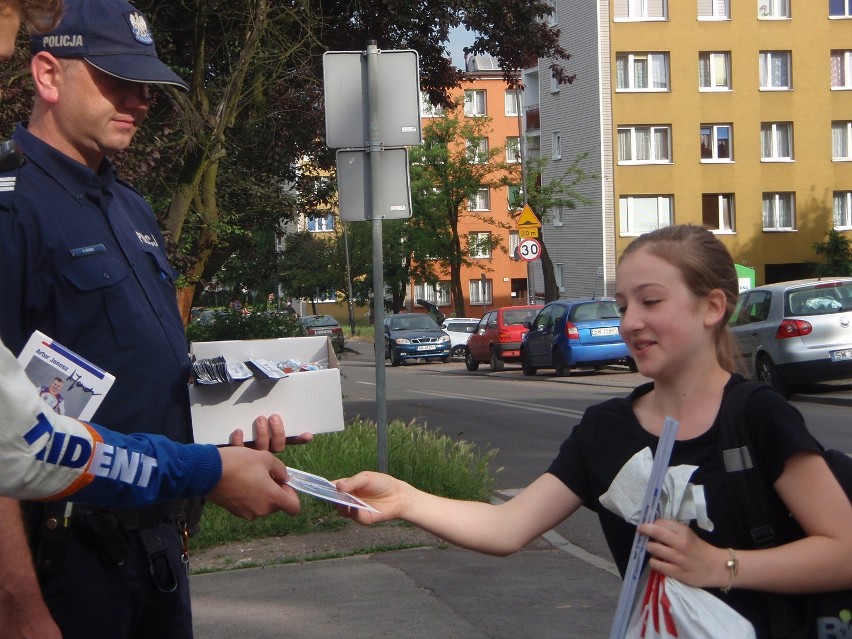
<point>393,202</point>
<point>346,109</point>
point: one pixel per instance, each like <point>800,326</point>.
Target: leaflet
<point>321,488</point>
<point>68,384</point>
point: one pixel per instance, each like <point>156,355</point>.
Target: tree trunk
<point>551,288</point>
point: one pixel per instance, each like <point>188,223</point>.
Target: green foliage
<point>836,252</point>
<point>421,457</point>
<point>233,325</point>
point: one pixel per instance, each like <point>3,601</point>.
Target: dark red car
<point>497,338</point>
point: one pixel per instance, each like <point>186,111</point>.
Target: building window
<point>513,149</point>
<point>779,212</point>
<point>841,139</point>
<point>479,244</point>
<point>320,223</point>
<point>716,143</point>
<point>481,201</point>
<point>514,243</point>
<point>515,197</point>
<point>641,10</point>
<point>557,215</point>
<point>474,102</point>
<point>480,291</point>
<point>714,71</point>
<point>559,275</point>
<point>477,151</point>
<point>840,8</point>
<point>776,141</point>
<point>841,69</point>
<point>554,84</point>
<point>644,144</point>
<point>717,211</point>
<point>641,213</point>
<point>557,145</point>
<point>427,109</point>
<point>714,10</point>
<point>642,71</point>
<point>775,70</point>
<point>438,293</point>
<point>552,18</point>
<point>512,101</point>
<point>843,210</point>
<point>773,9</point>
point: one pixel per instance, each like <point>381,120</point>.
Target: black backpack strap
<point>741,471</point>
<point>748,491</point>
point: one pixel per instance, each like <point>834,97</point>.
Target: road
<point>525,418</point>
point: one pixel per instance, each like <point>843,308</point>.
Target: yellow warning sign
<point>528,220</point>
<point>527,231</point>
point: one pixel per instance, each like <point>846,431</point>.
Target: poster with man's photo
<point>68,384</point>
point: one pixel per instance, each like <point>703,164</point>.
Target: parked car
<point>459,329</point>
<point>580,333</point>
<point>497,338</point>
<point>795,332</point>
<point>414,336</point>
<point>324,325</point>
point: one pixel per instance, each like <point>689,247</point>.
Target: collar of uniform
<point>74,177</point>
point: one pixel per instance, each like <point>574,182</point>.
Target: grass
<point>430,461</point>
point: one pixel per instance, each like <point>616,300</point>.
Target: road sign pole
<point>374,149</point>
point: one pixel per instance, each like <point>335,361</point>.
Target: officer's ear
<point>48,75</point>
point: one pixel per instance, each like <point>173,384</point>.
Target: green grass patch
<point>425,459</point>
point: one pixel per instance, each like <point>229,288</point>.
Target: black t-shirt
<point>609,435</point>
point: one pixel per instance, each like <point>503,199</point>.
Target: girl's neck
<point>693,399</point>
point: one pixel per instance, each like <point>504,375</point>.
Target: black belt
<point>149,516</point>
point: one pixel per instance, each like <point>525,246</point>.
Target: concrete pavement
<point>551,589</point>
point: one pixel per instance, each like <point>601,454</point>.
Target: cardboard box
<point>309,401</point>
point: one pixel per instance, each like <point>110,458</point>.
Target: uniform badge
<point>139,28</point>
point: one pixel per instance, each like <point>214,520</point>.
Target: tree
<point>211,160</point>
<point>836,250</point>
<point>542,198</point>
<point>447,170</point>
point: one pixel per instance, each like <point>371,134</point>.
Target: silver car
<point>795,332</point>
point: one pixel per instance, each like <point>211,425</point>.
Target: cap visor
<point>136,68</point>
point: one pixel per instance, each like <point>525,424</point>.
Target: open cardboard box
<point>308,401</point>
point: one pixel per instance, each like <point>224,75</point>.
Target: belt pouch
<point>49,534</point>
<point>102,532</point>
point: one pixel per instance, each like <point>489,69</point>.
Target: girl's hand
<point>381,491</point>
<point>677,552</point>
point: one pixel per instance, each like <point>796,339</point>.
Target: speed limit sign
<point>529,249</point>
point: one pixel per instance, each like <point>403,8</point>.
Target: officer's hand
<point>252,484</point>
<point>269,435</point>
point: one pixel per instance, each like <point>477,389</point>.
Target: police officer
<point>83,261</point>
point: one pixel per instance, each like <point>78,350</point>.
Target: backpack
<point>826,615</point>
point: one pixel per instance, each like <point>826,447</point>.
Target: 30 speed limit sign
<point>529,249</point>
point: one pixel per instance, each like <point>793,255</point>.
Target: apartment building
<point>734,114</point>
<point>496,276</point>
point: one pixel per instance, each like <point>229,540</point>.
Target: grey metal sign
<point>393,202</point>
<point>346,107</point>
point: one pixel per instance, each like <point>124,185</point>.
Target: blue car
<point>570,334</point>
<point>414,336</point>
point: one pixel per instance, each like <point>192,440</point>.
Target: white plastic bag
<point>665,608</point>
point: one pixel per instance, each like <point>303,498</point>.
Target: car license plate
<point>322,331</point>
<point>428,347</point>
<point>610,330</point>
<point>839,356</point>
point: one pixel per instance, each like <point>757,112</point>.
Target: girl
<point>676,288</point>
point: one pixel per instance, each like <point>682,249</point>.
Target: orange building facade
<point>496,276</point>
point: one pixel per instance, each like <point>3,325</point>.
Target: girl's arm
<point>820,561</point>
<point>492,529</point>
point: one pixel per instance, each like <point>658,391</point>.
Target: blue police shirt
<point>82,260</point>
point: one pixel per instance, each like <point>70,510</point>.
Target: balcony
<point>532,119</point>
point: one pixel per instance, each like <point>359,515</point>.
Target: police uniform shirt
<point>82,260</point>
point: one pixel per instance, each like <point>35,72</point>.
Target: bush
<point>430,461</point>
<point>233,325</point>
